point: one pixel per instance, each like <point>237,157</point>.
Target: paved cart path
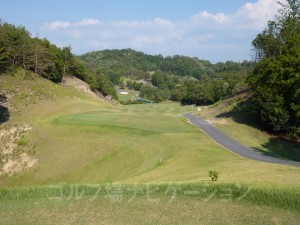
<point>233,145</point>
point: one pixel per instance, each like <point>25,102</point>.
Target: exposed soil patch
<point>15,150</point>
<point>219,121</point>
<point>80,85</point>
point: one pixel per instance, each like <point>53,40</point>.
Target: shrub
<point>214,175</point>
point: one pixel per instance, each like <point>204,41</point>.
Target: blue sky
<point>215,30</point>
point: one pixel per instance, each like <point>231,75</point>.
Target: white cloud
<point>59,24</point>
<point>258,13</point>
<point>163,22</point>
<point>197,34</point>
<point>157,22</point>
<point>219,17</point>
<point>66,24</point>
<point>88,22</point>
<point>131,24</point>
<point>250,15</point>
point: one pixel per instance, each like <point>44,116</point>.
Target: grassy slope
<point>84,142</point>
<point>238,117</point>
<point>80,140</point>
<point>132,95</point>
<point>156,204</point>
<point>103,211</point>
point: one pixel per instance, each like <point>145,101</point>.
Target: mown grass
<point>79,140</point>
<point>131,96</point>
<point>208,191</point>
<point>181,211</point>
<point>148,204</point>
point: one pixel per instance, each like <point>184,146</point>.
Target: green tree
<point>12,40</point>
<point>3,60</point>
<point>154,94</point>
<point>18,48</point>
<point>42,57</point>
<point>104,85</point>
<point>78,69</point>
<point>276,77</point>
<point>67,57</point>
<point>179,93</point>
<point>55,71</point>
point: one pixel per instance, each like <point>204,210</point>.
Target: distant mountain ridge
<point>128,62</point>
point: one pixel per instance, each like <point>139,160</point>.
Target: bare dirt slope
<point>81,85</point>
<point>15,150</point>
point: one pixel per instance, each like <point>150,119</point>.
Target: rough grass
<point>148,204</point>
<point>180,211</point>
<point>26,91</point>
<point>233,193</point>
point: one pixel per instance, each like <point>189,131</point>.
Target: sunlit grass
<point>80,140</point>
<point>148,204</point>
<point>131,96</point>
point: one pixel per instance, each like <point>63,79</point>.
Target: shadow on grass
<point>4,113</point>
<point>277,147</point>
<point>243,113</point>
<point>280,148</point>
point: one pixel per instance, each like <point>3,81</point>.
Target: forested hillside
<point>180,78</point>
<point>274,77</point>
<point>19,49</point>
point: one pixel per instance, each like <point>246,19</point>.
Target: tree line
<point>134,64</point>
<point>274,77</point>
<point>19,49</point>
<point>180,78</point>
<point>275,81</point>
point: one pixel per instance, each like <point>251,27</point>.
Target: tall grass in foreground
<point>117,192</point>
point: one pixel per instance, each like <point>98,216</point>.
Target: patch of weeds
<point>213,174</point>
<point>32,149</point>
<point>23,95</point>
<point>22,142</point>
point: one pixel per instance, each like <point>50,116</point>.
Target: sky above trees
<point>214,30</point>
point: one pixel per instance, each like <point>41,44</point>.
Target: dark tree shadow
<point>281,148</point>
<point>278,147</point>
<point>4,113</point>
<point>243,113</point>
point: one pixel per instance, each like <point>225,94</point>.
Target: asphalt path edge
<point>233,145</point>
